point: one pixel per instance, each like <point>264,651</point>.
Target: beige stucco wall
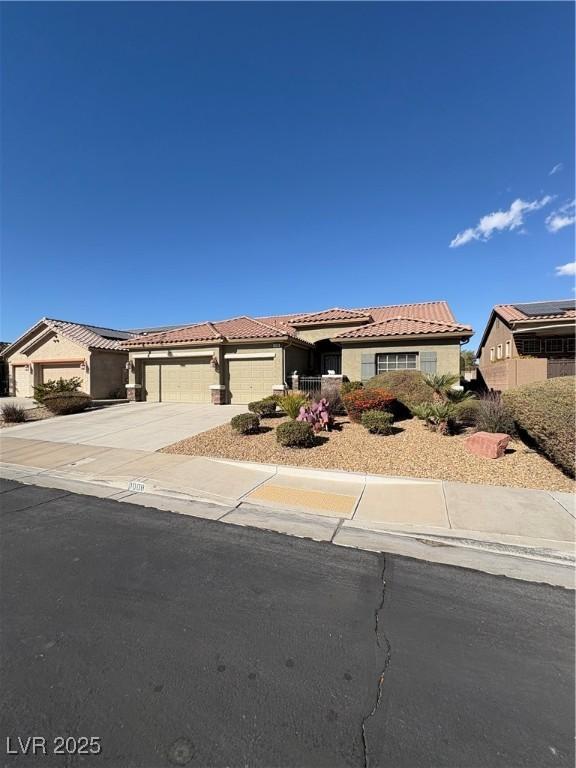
<point>325,332</point>
<point>107,373</point>
<point>505,374</point>
<point>447,355</point>
<point>500,333</point>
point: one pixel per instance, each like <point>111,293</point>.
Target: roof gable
<point>404,326</point>
<point>87,336</point>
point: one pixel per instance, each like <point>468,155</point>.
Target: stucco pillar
<point>218,394</point>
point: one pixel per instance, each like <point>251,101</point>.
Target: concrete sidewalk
<point>364,511</point>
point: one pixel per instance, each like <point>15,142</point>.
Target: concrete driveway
<point>141,426</point>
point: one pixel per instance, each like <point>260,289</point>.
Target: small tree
<point>467,360</point>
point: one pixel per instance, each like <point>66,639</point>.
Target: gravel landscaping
<point>412,451</point>
<point>32,414</point>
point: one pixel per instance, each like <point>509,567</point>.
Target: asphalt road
<point>181,641</point>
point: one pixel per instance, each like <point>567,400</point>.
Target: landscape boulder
<point>490,445</point>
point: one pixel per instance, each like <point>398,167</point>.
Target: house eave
<point>406,337</point>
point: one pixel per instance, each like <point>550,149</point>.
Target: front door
<point>331,361</point>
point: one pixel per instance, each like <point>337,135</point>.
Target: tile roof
<point>88,336</point>
<point>425,317</point>
<point>516,312</point>
<point>403,326</point>
<point>329,316</point>
<point>427,310</point>
<point>236,328</point>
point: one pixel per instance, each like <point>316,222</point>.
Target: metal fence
<point>561,368</point>
<point>309,384</point>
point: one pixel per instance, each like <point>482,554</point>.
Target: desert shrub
<point>13,414</point>
<point>544,413</point>
<point>350,386</point>
<point>408,387</point>
<point>245,423</point>
<point>492,415</point>
<point>295,434</point>
<point>360,400</point>
<point>317,414</point>
<point>377,422</point>
<point>262,407</point>
<point>61,403</point>
<point>438,417</point>
<point>53,387</point>
<point>271,399</point>
<point>292,402</point>
<point>466,411</point>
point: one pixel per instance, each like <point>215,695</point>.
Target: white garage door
<point>178,381</point>
<point>55,371</point>
<point>22,385</point>
<point>250,380</point>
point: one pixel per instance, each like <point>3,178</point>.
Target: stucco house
<point>54,349</point>
<point>247,358</point>
<point>527,342</point>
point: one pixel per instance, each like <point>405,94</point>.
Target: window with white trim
<point>554,345</point>
<point>499,351</point>
<point>396,361</point>
<point>508,349</point>
<point>492,354</point>
<point>570,344</point>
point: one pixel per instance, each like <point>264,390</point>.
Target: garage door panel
<point>250,380</point>
<point>53,372</point>
<point>22,387</point>
<point>152,382</point>
<point>179,381</point>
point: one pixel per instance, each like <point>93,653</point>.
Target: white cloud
<point>563,217</point>
<point>557,168</point>
<point>566,269</point>
<point>498,221</point>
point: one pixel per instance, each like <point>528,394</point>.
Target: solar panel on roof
<point>546,307</point>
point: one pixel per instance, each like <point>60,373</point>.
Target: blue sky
<point>171,163</point>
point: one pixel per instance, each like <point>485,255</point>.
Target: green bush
<point>263,407</point>
<point>545,413</point>
<point>292,402</point>
<point>53,387</point>
<point>466,411</point>
<point>61,403</point>
<point>295,434</point>
<point>360,400</point>
<point>350,386</point>
<point>377,422</point>
<point>408,387</point>
<point>13,414</point>
<point>245,423</point>
<point>493,415</point>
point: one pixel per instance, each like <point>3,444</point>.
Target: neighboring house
<point>245,358</point>
<point>54,349</point>
<point>523,343</point>
<point>4,388</point>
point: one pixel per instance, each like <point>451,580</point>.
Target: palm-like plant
<point>292,402</point>
<point>441,382</point>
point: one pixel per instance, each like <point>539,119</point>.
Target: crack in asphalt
<point>383,643</point>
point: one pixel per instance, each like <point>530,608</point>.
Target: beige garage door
<point>22,387</point>
<point>179,381</point>
<point>53,372</point>
<point>250,380</point>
